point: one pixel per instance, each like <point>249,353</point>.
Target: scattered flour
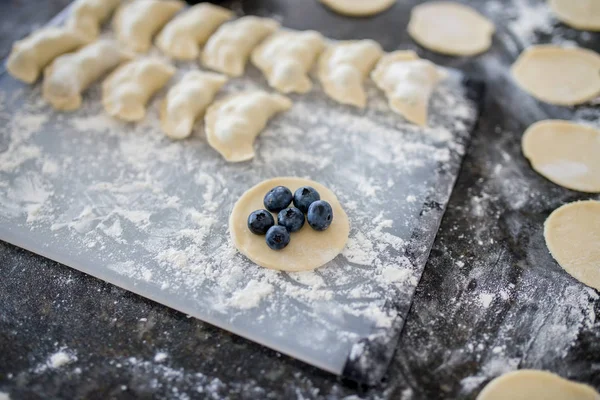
<point>160,357</point>
<point>486,299</point>
<point>4,396</point>
<point>57,360</point>
<point>251,295</point>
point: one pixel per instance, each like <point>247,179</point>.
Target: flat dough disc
<point>450,28</point>
<point>358,8</point>
<point>528,384</point>
<point>580,14</point>
<point>562,76</point>
<point>572,234</point>
<point>308,249</point>
<point>566,153</point>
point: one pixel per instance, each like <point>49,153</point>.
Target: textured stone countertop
<point>491,298</point>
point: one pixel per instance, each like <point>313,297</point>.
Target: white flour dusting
<point>4,396</point>
<point>57,360</point>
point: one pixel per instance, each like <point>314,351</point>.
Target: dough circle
<point>358,8</point>
<point>450,28</point>
<point>308,249</point>
<point>579,14</point>
<point>529,384</point>
<point>565,152</point>
<point>572,234</point>
<point>558,75</point>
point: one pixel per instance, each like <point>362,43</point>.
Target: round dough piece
<point>529,384</point>
<point>450,28</point>
<point>566,153</point>
<point>558,75</point>
<point>358,8</point>
<point>308,249</point>
<point>580,14</point>
<point>572,234</point>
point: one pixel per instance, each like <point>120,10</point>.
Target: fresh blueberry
<point>277,237</point>
<point>260,221</point>
<point>304,197</point>
<point>278,198</point>
<point>291,218</point>
<point>319,215</point>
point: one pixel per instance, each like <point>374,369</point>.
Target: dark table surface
<point>491,298</point>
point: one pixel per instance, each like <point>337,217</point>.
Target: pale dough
<point>286,57</point>
<point>30,55</point>
<point>308,249</point>
<point>233,123</point>
<point>408,83</point>
<point>580,14</point>
<point>127,90</point>
<point>182,37</point>
<point>565,152</point>
<point>358,8</point>
<point>187,101</point>
<point>450,28</point>
<point>70,74</point>
<point>228,49</point>
<point>87,16</point>
<point>343,68</point>
<point>562,76</point>
<point>137,21</point>
<point>572,234</point>
<point>528,384</point>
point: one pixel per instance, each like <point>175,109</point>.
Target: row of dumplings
<point>284,56</point>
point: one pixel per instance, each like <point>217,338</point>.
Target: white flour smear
<point>150,214</point>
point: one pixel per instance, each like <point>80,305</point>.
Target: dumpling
<point>343,68</point>
<point>182,37</point>
<point>233,123</point>
<point>30,55</point>
<point>227,51</point>
<point>70,74</point>
<point>187,100</point>
<point>408,83</point>
<point>88,15</point>
<point>286,57</point>
<point>127,90</point>
<point>136,22</point>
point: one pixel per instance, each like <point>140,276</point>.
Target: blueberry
<point>291,218</point>
<point>319,215</point>
<point>278,198</point>
<point>260,221</point>
<point>277,237</point>
<point>304,196</point>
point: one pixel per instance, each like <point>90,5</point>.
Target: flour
<point>486,299</point>
<point>251,295</point>
<point>57,360</point>
<point>160,357</point>
<point>4,396</point>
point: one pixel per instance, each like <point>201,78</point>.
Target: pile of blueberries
<point>306,201</point>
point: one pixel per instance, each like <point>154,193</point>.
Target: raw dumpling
<point>286,57</point>
<point>233,123</point>
<point>182,37</point>
<point>229,48</point>
<point>88,15</point>
<point>127,90</point>
<point>187,101</point>
<point>135,23</point>
<point>343,68</point>
<point>30,55</point>
<point>70,74</point>
<point>358,8</point>
<point>408,83</point>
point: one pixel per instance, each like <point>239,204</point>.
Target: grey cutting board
<point>122,203</point>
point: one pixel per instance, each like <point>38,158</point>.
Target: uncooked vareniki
<point>136,22</point>
<point>227,51</point>
<point>408,83</point>
<point>127,90</point>
<point>343,68</point>
<point>30,55</point>
<point>286,57</point>
<point>88,15</point>
<point>187,100</point>
<point>70,74</point>
<point>182,37</point>
<point>232,124</point>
